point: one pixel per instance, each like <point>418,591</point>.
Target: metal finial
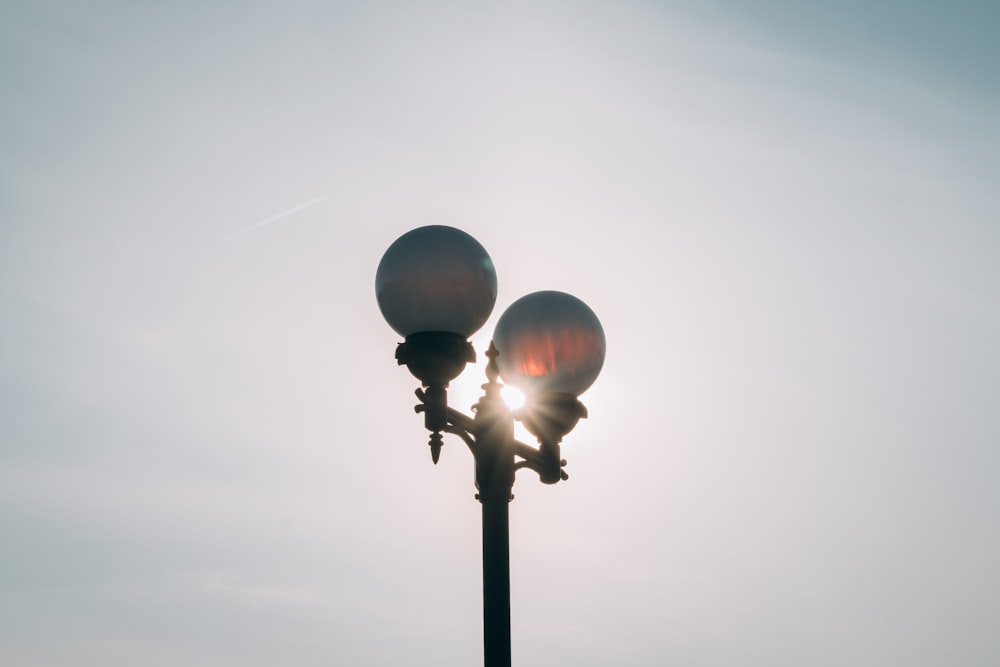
<point>435,442</point>
<point>492,369</point>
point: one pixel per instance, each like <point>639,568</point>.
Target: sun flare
<point>512,396</point>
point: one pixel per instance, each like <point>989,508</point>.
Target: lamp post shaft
<point>496,581</point>
<point>494,429</point>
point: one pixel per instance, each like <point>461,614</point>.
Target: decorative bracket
<point>489,434</point>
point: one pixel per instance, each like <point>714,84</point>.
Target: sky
<point>784,213</point>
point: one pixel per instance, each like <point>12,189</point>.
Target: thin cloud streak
<point>275,218</point>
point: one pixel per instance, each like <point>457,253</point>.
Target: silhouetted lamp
<point>551,346</point>
<point>436,286</point>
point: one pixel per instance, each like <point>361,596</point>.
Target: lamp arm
<point>464,435</point>
<point>545,461</point>
<point>439,417</point>
<point>459,420</point>
<point>527,452</point>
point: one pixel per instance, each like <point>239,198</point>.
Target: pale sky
<point>785,214</point>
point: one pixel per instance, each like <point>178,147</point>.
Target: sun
<point>512,396</point>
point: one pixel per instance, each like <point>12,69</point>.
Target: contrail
<point>275,218</point>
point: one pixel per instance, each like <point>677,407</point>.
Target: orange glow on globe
<point>549,341</point>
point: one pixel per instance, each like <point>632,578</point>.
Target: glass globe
<point>549,342</point>
<point>436,278</point>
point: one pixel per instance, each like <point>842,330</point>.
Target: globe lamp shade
<point>436,278</point>
<point>549,343</point>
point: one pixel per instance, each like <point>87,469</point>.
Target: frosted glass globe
<point>549,342</point>
<point>436,278</point>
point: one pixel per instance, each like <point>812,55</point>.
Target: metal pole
<point>496,581</point>
<point>494,429</point>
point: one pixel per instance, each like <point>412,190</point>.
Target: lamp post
<point>436,286</point>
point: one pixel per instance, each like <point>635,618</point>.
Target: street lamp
<point>436,286</point>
